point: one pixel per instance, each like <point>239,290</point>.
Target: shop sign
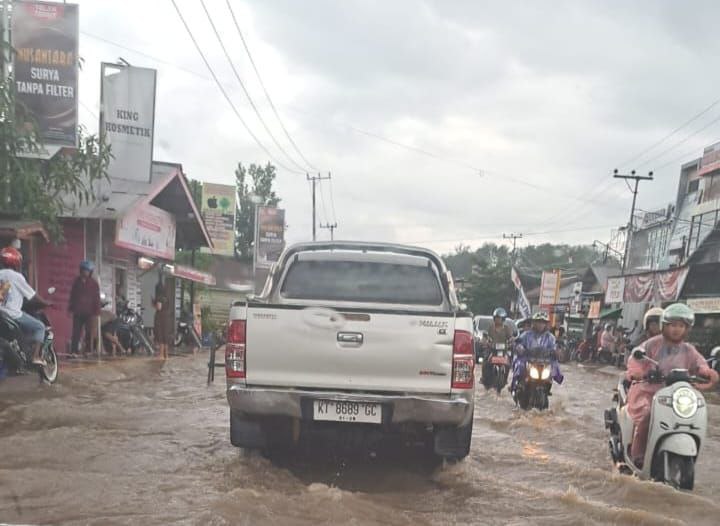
<point>149,230</point>
<point>704,305</point>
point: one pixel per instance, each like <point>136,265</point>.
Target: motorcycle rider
<point>19,290</point>
<point>607,340</point>
<point>498,332</point>
<point>651,326</point>
<point>671,350</point>
<point>538,337</point>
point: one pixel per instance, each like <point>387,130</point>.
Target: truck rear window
<point>362,281</point>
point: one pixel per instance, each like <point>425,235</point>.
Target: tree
<point>254,181</point>
<point>489,285</point>
<point>33,188</point>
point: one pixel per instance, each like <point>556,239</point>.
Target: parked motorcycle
<point>678,424</point>
<point>533,387</point>
<point>17,355</point>
<point>131,330</point>
<point>185,332</point>
<point>495,372</point>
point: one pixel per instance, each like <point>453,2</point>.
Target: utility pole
<point>514,238</point>
<point>631,224</point>
<point>6,53</point>
<point>332,227</point>
<point>315,179</point>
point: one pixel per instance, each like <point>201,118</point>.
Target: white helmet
<point>653,314</point>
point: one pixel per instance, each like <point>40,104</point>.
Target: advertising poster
<point>218,211</point>
<point>45,37</point>
<point>615,290</point>
<point>127,119</point>
<point>148,230</point>
<point>269,235</point>
<point>550,288</point>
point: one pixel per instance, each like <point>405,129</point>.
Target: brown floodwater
<point>142,442</point>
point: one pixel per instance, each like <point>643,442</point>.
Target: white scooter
<point>678,423</point>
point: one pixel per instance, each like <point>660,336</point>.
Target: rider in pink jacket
<point>671,351</point>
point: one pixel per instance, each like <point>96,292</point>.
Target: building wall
<point>57,266</point>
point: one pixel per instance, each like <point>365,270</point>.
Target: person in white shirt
<point>19,290</point>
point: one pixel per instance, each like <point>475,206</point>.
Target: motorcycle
<point>622,348</point>
<point>16,354</point>
<point>581,352</point>
<point>495,371</point>
<point>185,332</point>
<point>678,424</point>
<point>533,387</point>
<point>714,360</point>
<point>131,330</point>
<point>564,349</point>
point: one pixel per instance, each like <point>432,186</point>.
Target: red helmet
<point>11,258</point>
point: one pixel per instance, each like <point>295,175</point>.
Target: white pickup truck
<point>359,336</point>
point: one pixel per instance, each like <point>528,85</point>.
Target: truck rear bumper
<point>455,409</point>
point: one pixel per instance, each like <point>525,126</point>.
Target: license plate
<point>344,411</point>
<point>498,360</point>
<point>500,346</point>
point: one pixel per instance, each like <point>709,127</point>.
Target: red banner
<point>655,286</point>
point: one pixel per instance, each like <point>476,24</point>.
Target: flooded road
<point>141,442</point>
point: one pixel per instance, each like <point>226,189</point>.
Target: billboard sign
<point>615,290</point>
<point>127,119</point>
<point>218,211</point>
<point>147,230</point>
<point>269,235</point>
<point>45,38</point>
<point>550,288</point>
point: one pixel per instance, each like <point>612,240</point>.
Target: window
<point>362,281</point>
<point>693,186</point>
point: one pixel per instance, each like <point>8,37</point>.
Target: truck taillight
<point>235,349</point>
<point>463,371</point>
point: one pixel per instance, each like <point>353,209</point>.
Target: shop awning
<point>168,191</point>
<point>190,273</point>
<point>22,228</point>
<point>611,313</point>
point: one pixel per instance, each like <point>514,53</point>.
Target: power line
<point>658,143</point>
<point>683,141</point>
<point>225,94</point>
<point>332,200</point>
<point>242,85</point>
<point>267,95</point>
<point>497,235</point>
<point>322,200</point>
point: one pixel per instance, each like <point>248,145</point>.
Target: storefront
<point>130,232</point>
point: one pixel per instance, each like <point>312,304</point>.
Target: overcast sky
<point>441,122</point>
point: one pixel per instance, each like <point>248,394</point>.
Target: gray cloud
<point>555,94</point>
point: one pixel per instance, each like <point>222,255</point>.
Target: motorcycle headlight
<point>685,402</point>
<point>545,373</point>
<point>534,373</point>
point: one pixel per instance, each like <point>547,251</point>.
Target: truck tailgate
<point>373,350</point>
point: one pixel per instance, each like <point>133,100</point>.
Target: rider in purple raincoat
<point>538,337</point>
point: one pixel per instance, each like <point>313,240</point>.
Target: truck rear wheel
<point>246,433</point>
<point>453,443</point>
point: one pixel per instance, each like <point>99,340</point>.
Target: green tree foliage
<point>254,180</point>
<point>32,188</point>
<point>486,270</point>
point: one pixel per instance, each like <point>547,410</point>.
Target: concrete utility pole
<point>631,224</point>
<point>514,238</point>
<point>331,227</point>
<point>314,179</point>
